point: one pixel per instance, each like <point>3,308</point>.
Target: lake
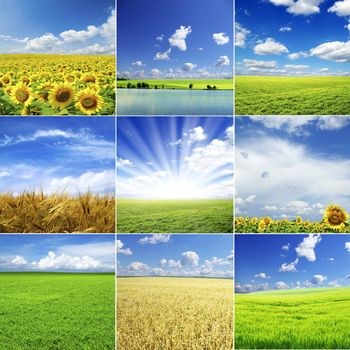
<point>174,102</point>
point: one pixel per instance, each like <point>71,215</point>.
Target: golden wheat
<point>174,313</point>
<point>32,212</point>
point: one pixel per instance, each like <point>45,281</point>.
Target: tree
<point>190,86</point>
<point>129,85</point>
<point>139,85</point>
<point>209,87</point>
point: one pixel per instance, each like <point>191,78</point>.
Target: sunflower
<point>61,95</point>
<point>44,92</point>
<point>89,101</point>
<point>335,217</point>
<point>89,78</point>
<point>299,220</point>
<point>70,78</point>
<point>262,226</point>
<point>267,220</point>
<point>6,80</point>
<point>21,94</point>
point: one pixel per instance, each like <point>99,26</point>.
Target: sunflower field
<point>335,220</point>
<point>57,85</point>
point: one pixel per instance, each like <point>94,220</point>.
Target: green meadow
<point>293,319</point>
<point>175,216</point>
<point>292,95</point>
<point>181,84</point>
<point>56,311</point>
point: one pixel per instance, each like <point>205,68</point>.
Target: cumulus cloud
<point>222,61</point>
<point>121,250</point>
<point>241,34</point>
<point>318,279</point>
<point>188,66</point>
<point>197,134</point>
<point>137,64</point>
<point>258,64</point>
<point>347,246</point>
<point>189,258</point>
<point>178,39</point>
<point>221,38</point>
<point>341,8</point>
<point>66,262</point>
<point>270,47</point>
<point>155,239</point>
<point>285,29</point>
<point>307,247</point>
<point>338,51</point>
<point>286,246</point>
<point>281,285</point>
<point>45,42</point>
<point>299,7</point>
<point>19,260</point>
<point>124,163</point>
<point>160,37</point>
<point>162,56</point>
<point>297,55</point>
<point>289,267</point>
<point>71,36</point>
<point>262,275</point>
<point>138,266</point>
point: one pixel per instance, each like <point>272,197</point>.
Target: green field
<point>182,84</point>
<point>293,319</point>
<point>56,311</point>
<point>175,216</point>
<point>162,313</point>
<point>292,95</point>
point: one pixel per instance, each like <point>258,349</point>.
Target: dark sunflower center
<point>6,80</point>
<point>25,80</point>
<point>89,79</point>
<point>70,79</point>
<point>63,95</point>
<point>335,218</point>
<point>22,95</point>
<point>89,102</point>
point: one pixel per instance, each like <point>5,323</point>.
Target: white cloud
<point>160,37</point>
<point>96,49</point>
<point>307,247</point>
<point>155,239</point>
<point>341,8</point>
<point>155,73</point>
<point>188,66</point>
<point>296,66</point>
<point>138,266</point>
<point>337,51</point>
<point>281,285</point>
<point>347,246</point>
<point>262,275</point>
<point>178,39</point>
<point>285,29</point>
<point>270,47</point>
<point>45,42</point>
<point>189,258</point>
<point>4,173</point>
<point>72,36</point>
<point>121,250</point>
<point>124,163</point>
<point>297,55</point>
<point>333,123</point>
<point>89,181</point>
<point>222,61</point>
<point>162,56</point>
<point>170,263</point>
<point>197,134</point>
<point>107,30</point>
<point>286,246</point>
<point>221,38</point>
<point>62,262</point>
<point>241,34</point>
<point>257,64</point>
<point>289,267</point>
<point>19,260</point>
<point>137,64</point>
<point>299,7</point>
<point>318,279</point>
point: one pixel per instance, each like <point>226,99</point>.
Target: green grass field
<point>175,216</point>
<point>292,95</point>
<point>56,311</point>
<point>293,319</point>
<point>182,84</point>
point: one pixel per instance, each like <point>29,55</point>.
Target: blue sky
<point>72,154</point>
<point>58,253</point>
<point>292,37</point>
<point>79,26</point>
<point>175,39</point>
<point>178,157</point>
<point>289,166</point>
<point>291,261</point>
<point>175,255</point>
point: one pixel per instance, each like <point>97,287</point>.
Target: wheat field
<point>32,212</point>
<point>166,313</point>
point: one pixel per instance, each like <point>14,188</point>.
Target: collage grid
<point>183,197</point>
